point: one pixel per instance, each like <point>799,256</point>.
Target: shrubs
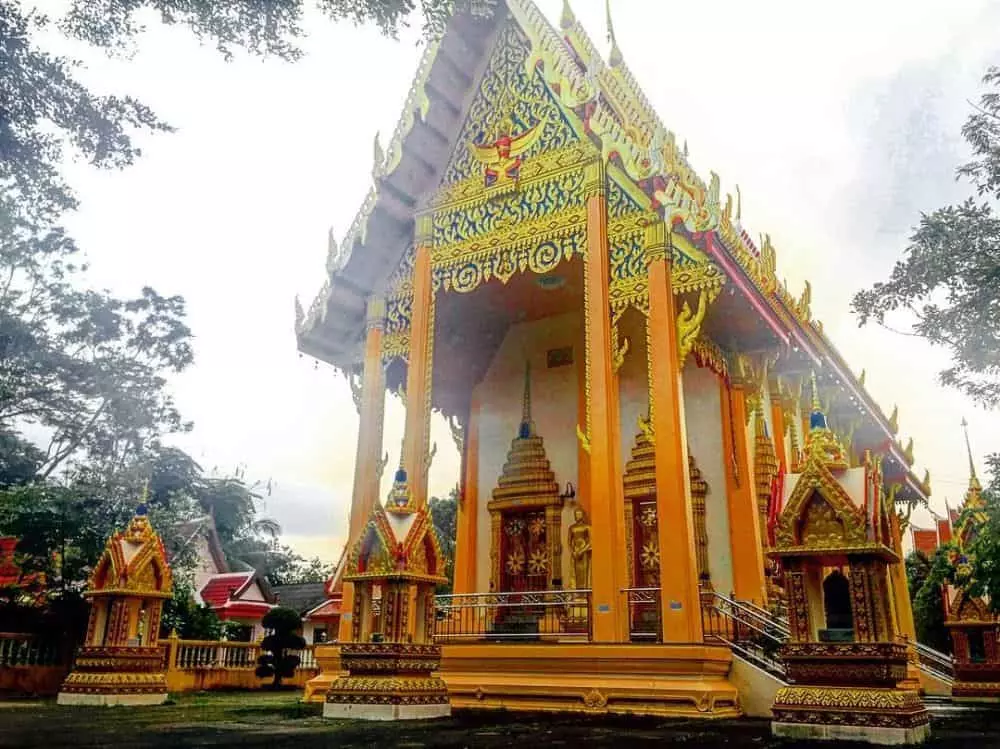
<point>276,662</point>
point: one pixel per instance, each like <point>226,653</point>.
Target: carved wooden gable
<point>820,515</point>
<point>511,100</point>
<point>133,561</point>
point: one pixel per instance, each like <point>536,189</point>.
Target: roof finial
<point>817,419</point>
<point>739,204</point>
<point>527,427</point>
<point>968,448</point>
<point>143,507</point>
<point>615,56</point>
<point>567,19</point>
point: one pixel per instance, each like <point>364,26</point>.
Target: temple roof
<point>627,132</point>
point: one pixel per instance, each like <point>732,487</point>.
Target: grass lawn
<point>260,719</point>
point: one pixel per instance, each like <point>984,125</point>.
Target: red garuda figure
<point>502,159</point>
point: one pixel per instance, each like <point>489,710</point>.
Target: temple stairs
<point>755,635</point>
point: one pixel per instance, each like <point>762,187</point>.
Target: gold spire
<point>615,56</point>
<point>527,425</point>
<point>968,448</point>
<point>567,19</point>
<point>821,443</point>
<point>400,500</point>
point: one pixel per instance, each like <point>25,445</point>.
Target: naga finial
<point>894,420</point>
<point>378,163</point>
<point>567,19</point>
<point>615,56</point>
<point>739,204</point>
<point>861,378</point>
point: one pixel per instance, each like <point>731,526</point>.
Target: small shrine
<point>845,660</point>
<point>120,662</point>
<point>974,628</point>
<point>391,660</point>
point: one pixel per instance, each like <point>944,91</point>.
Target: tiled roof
<point>301,597</point>
<point>220,588</point>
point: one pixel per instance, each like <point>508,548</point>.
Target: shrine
<point>974,628</point>
<point>120,661</point>
<point>835,542</point>
<point>625,376</point>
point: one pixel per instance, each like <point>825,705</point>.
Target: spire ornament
<point>615,56</point>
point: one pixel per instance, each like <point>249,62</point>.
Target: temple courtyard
<point>255,719</point>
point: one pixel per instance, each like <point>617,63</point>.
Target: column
<point>418,371</point>
<point>607,508</point>
<point>744,519</point>
<point>466,531</point>
<point>679,599</point>
<point>371,416</point>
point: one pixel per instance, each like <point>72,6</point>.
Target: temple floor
<point>259,719</point>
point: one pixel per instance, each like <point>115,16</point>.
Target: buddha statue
<point>579,549</point>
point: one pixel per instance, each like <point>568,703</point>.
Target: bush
<point>276,662</point>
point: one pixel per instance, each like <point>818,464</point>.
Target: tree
<point>276,662</point>
<point>927,578</point>
<point>82,364</point>
<point>51,115</point>
<point>191,621</point>
<point>444,515</point>
<point>949,278</point>
<point>982,568</point>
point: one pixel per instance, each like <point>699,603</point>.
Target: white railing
<point>25,650</point>
<point>222,654</point>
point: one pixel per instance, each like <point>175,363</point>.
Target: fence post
<point>172,645</point>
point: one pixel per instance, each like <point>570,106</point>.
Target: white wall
<point>703,418</point>
<point>554,411</point>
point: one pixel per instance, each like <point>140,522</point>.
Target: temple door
<point>645,609</point>
<point>524,552</point>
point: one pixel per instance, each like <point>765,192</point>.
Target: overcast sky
<point>840,122</point>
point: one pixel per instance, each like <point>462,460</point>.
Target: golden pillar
<point>601,430</point>
<point>679,599</point>
<point>366,462</point>
<point>466,532</point>
<point>418,371</point>
<point>744,524</point>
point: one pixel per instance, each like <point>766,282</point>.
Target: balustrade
<point>26,650</point>
<point>643,614</point>
<point>545,615</point>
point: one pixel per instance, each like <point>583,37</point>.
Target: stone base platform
<point>388,681</point>
<point>869,734</point>
<point>666,680</point>
<point>877,715</point>
<point>115,676</point>
<point>110,699</point>
<point>975,691</point>
<point>385,712</point>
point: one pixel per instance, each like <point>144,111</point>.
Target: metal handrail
<point>546,615</point>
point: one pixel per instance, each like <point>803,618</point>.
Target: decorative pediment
<point>379,552</point>
<point>134,562</point>
<point>967,608</point>
<point>512,118</point>
<point>820,516</point>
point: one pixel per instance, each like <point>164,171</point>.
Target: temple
<point>627,380</point>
